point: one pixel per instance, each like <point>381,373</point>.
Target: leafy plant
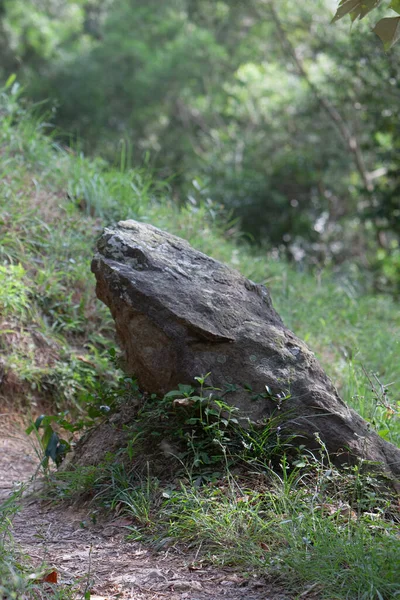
<point>246,496</point>
<point>388,28</point>
<point>53,447</point>
<point>199,429</point>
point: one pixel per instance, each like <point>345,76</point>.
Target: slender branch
<point>348,138</point>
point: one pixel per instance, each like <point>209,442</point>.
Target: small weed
<point>94,407</point>
<point>52,446</point>
<point>139,501</point>
<point>197,428</point>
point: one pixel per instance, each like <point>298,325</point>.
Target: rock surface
<point>181,314</point>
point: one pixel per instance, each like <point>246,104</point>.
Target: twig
<point>198,551</point>
<point>149,591</point>
<point>349,139</point>
<point>309,589</point>
<point>87,586</point>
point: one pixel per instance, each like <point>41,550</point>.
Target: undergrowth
<point>233,496</point>
<point>55,334</point>
<point>191,477</point>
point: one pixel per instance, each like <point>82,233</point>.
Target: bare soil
<point>98,557</point>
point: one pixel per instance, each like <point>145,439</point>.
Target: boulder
<point>181,314</point>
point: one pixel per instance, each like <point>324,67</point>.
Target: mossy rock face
<point>180,314</point>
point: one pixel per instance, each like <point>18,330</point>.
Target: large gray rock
<point>181,314</point>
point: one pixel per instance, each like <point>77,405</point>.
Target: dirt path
<point>83,552</point>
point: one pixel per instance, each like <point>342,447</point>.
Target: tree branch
<point>349,139</point>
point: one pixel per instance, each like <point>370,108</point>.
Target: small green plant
<point>100,403</point>
<point>52,446</point>
<point>8,508</point>
<point>387,411</point>
<point>140,501</point>
<point>196,426</point>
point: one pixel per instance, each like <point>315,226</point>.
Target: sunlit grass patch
<point>292,529</point>
<point>305,527</point>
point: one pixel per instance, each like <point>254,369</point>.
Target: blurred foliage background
<point>287,124</point>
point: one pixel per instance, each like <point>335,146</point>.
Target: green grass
<point>317,526</point>
<point>312,526</point>
<point>285,532</point>
<point>53,204</point>
<point>227,498</point>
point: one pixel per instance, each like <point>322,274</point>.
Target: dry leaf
<point>50,577</point>
<point>43,577</point>
<point>183,402</point>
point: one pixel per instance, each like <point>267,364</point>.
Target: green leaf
<point>185,389</point>
<point>395,5</point>
<point>174,394</point>
<point>52,446</point>
<point>39,421</point>
<point>385,434</point>
<point>388,30</point>
<point>48,432</point>
<point>69,426</point>
<point>93,412</point>
<point>62,448</point>
<point>345,8</point>
<point>10,80</point>
<point>211,411</point>
<point>355,8</point>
